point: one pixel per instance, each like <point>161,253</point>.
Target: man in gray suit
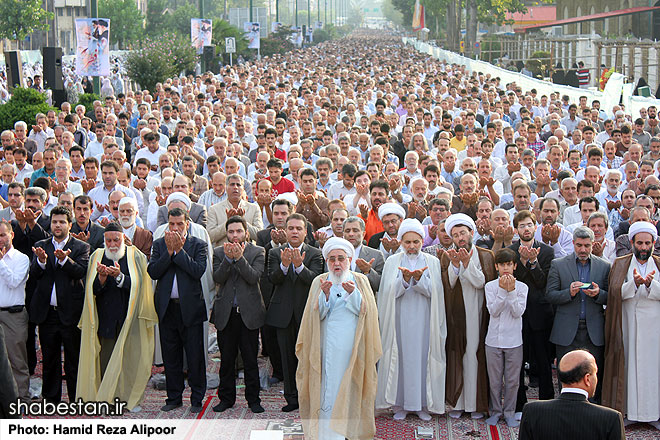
<point>577,285</point>
<point>196,212</point>
<point>16,198</point>
<point>238,312</point>
<point>367,260</point>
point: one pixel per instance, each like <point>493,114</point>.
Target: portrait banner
<point>93,46</point>
<point>201,31</point>
<point>252,31</point>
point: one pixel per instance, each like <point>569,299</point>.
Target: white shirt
<point>575,390</point>
<point>285,269</point>
<point>338,190</point>
<point>506,310</point>
<point>14,269</point>
<point>56,245</point>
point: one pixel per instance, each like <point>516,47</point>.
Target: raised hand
<point>127,241</point>
<point>412,209</point>
<point>239,248</point>
<point>30,217</point>
<point>104,221</point>
<point>433,231</point>
<point>439,252</point>
<point>625,213</point>
<point>321,237</point>
<point>464,256</point>
<point>139,184</point>
<point>649,278</point>
<point>593,291</point>
<point>297,258</point>
<point>597,248</point>
<point>390,244</point>
<point>417,274</point>
<point>83,236</point>
<point>101,207</point>
<point>407,274</point>
<point>364,210</point>
<point>613,205</point>
<point>286,257</point>
<point>114,271</point>
<point>325,287</point>
<point>229,250</point>
<point>483,226</point>
<point>454,257</point>
<point>348,286</point>
<point>61,254</point>
<point>512,167</point>
<point>363,265</point>
<point>41,254</point>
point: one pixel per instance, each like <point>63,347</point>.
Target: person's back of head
<point>577,369</point>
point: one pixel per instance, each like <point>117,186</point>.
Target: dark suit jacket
<point>238,281</point>
<point>457,206</point>
<point>291,290</point>
<point>188,265</point>
<point>197,214</point>
<point>374,241</point>
<point>24,241</point>
<point>563,271</point>
<point>111,300</point>
<point>538,311</point>
<point>570,417</point>
<point>624,227</point>
<point>143,240</point>
<point>96,231</point>
<point>367,253</point>
<point>68,279</point>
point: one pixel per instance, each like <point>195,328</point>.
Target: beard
<point>413,252</point>
<point>118,254</point>
<point>467,246</point>
<point>126,222</point>
<point>338,279</point>
<point>642,254</point>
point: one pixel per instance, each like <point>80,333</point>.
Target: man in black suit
<point>31,226</point>
<point>291,269</point>
<point>112,288</point>
<point>178,261</point>
<point>238,312</point>
<point>571,416</point>
<point>59,267</point>
<point>83,228</point>
<point>532,267</point>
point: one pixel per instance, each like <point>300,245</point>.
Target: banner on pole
<point>253,29</point>
<point>201,31</point>
<point>93,46</point>
<point>418,17</point>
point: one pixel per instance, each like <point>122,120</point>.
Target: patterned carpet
<point>237,423</point>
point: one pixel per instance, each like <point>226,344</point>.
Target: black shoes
<point>222,406</point>
<point>196,409</point>
<point>171,406</point>
<point>256,408</point>
<point>290,407</point>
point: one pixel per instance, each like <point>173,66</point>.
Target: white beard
<point>118,255</point>
<point>126,222</point>
<point>337,280</point>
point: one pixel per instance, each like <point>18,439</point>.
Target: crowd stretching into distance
<point>393,232</point>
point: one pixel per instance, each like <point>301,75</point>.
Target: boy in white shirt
<point>506,299</point>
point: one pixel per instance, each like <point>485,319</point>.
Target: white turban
<point>179,197</point>
<point>391,208</point>
<point>458,220</point>
<point>638,227</point>
<point>338,243</point>
<point>130,200</point>
<point>411,225</point>
<point>289,196</point>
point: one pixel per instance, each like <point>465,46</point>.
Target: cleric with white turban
<point>338,243</point>
<point>459,220</point>
<point>390,208</point>
<point>638,227</point>
<point>411,225</point>
<point>178,197</point>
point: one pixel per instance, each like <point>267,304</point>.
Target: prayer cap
<point>411,225</point>
<point>638,227</point>
<point>178,197</point>
<point>338,243</point>
<point>113,227</point>
<point>459,220</point>
<point>391,208</point>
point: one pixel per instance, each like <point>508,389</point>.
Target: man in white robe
<point>339,322</point>
<point>631,379</point>
<point>411,310</point>
<point>466,270</point>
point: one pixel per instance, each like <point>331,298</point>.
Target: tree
<point>23,106</point>
<point>179,20</point>
<point>156,17</point>
<point>125,21</point>
<point>19,18</point>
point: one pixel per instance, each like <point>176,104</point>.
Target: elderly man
<point>465,271</point>
<point>196,211</point>
<point>217,192</point>
<point>367,261</point>
<point>337,392</point>
<point>550,231</point>
<point>632,326</point>
<point>133,234</point>
<point>413,327</point>
<point>117,340</point>
<point>579,297</point>
<point>466,200</point>
<point>500,231</point>
<point>233,205</point>
<point>391,215</point>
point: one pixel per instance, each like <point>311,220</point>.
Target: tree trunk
<point>470,27</point>
<point>452,29</point>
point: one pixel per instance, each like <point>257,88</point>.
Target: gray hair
<point>598,214</point>
<point>583,232</point>
<point>355,219</point>
<point>37,191</point>
<point>234,176</point>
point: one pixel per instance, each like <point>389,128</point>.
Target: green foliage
<point>160,58</point>
<point>125,21</point>
<point>156,17</point>
<point>392,13</point>
<point>278,42</point>
<point>538,63</point>
<point>179,20</point>
<point>221,30</point>
<point>23,106</point>
<point>87,99</point>
<point>491,48</point>
<point>19,18</point>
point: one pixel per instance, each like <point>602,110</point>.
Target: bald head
<point>577,369</point>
